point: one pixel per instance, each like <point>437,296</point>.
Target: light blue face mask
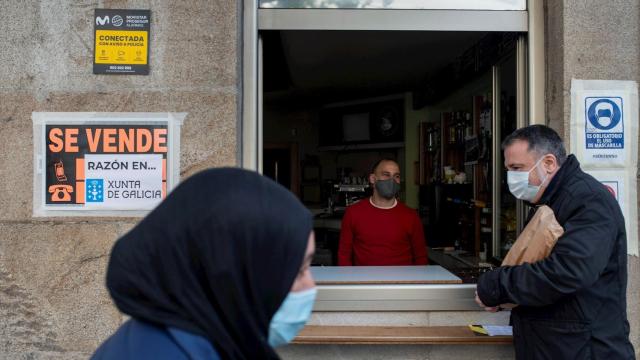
<point>291,316</point>
<point>519,186</point>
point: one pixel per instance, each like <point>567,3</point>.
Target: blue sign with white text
<point>604,123</point>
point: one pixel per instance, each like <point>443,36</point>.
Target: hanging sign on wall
<point>106,166</point>
<point>104,163</point>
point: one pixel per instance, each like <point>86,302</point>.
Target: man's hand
<point>486,308</point>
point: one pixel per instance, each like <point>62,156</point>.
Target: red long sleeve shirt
<point>377,237</point>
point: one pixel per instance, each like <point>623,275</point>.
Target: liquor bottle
<point>459,128</point>
<point>488,109</point>
<point>468,124</point>
<point>486,114</point>
<point>452,128</point>
<point>481,134</point>
<point>432,139</point>
<point>485,128</point>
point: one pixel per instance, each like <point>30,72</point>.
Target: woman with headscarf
<point>219,270</point>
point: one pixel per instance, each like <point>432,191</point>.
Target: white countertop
<point>429,274</point>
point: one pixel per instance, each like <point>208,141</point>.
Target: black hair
<point>541,139</point>
<point>377,163</point>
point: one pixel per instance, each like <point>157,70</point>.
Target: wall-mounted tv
<point>364,123</point>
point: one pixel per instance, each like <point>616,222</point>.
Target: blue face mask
<point>291,317</point>
<point>519,186</point>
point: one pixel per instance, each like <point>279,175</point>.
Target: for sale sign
<point>111,167</point>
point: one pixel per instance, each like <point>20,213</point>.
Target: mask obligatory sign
<point>604,138</point>
<point>105,165</point>
<point>121,41</point>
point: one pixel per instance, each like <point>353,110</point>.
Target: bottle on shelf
<point>432,139</point>
<point>468,124</point>
<point>452,129</point>
<point>485,128</point>
<point>460,128</point>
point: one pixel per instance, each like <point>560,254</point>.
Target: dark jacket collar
<point>566,171</point>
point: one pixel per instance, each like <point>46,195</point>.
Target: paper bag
<point>536,240</point>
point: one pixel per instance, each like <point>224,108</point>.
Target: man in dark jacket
<point>572,305</point>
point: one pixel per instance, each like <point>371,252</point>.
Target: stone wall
<point>53,303</point>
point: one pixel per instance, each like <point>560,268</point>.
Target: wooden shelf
<point>432,335</point>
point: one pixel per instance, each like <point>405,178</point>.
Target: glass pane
<point>397,4</point>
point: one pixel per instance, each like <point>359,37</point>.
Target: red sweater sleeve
<point>418,242</point>
<point>345,246</point>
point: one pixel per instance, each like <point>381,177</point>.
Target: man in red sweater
<point>381,230</point>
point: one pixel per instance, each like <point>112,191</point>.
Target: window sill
<point>361,335</point>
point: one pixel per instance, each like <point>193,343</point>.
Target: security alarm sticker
<point>121,41</point>
<point>604,123</point>
<point>107,167</point>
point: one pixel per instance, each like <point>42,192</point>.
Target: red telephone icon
<point>60,193</point>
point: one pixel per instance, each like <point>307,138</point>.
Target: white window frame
<point>397,4</point>
<point>530,74</point>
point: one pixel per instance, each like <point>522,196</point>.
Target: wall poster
<point>104,163</point>
<point>604,138</point>
<point>121,44</point>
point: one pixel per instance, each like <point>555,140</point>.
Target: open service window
<point>332,101</point>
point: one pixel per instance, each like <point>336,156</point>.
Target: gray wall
<point>52,295</point>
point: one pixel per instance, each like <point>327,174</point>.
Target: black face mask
<point>387,188</point>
